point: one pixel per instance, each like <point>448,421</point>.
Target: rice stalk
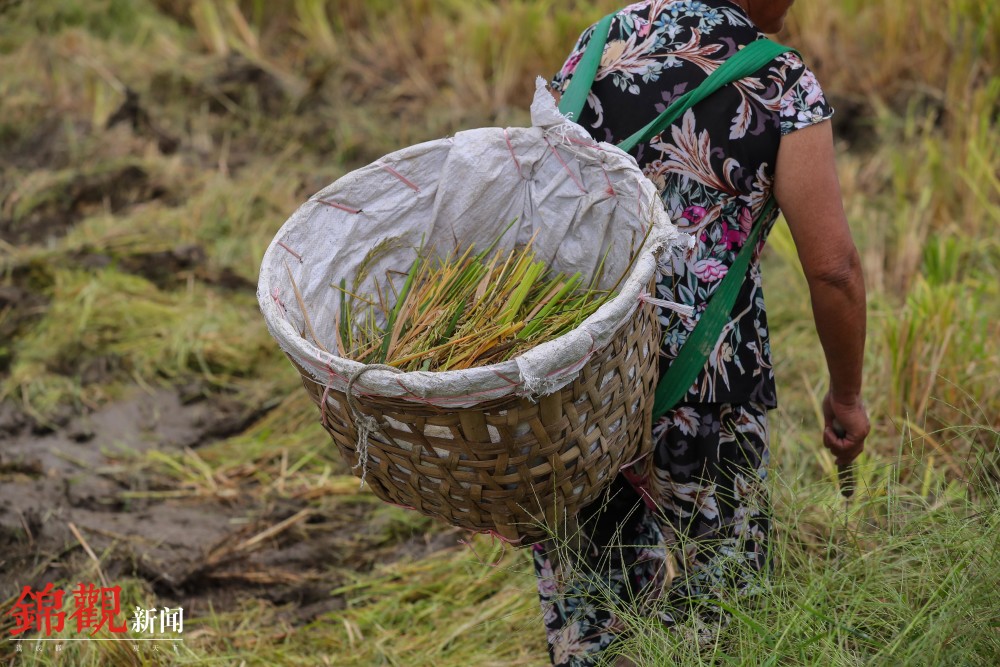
<point>466,309</point>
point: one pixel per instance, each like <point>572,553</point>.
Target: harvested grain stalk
<point>466,309</point>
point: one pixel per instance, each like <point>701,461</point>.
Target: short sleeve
<point>804,104</point>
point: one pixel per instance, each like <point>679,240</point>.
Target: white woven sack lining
<point>579,196</point>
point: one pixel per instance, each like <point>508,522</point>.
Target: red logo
<point>95,608</point>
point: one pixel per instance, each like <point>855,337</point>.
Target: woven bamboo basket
<point>517,468</point>
<point>518,447</point>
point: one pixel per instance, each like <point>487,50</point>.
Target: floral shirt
<point>714,168</point>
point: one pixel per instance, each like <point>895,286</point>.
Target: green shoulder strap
<point>572,101</point>
<point>743,63</point>
<point>684,370</point>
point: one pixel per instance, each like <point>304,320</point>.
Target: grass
<point>163,210</point>
<point>908,580</point>
<point>898,576</point>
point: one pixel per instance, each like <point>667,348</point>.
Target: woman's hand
<point>846,427</point>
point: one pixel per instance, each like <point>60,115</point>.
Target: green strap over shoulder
<point>684,370</point>
<point>743,63</point>
<point>572,101</point>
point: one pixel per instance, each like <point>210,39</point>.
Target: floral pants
<point>687,524</point>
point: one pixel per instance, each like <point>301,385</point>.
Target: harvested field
<point>153,437</point>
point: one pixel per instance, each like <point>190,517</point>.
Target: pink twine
<point>340,206</point>
<point>277,299</point>
<point>506,540</point>
<point>410,184</point>
<point>578,142</point>
<point>496,536</point>
<point>638,482</point>
<point>405,507</point>
<point>611,188</point>
<point>596,146</point>
<point>503,377</point>
<point>510,147</point>
<point>575,366</point>
<point>418,399</point>
<point>325,367</point>
<point>293,253</point>
<point>566,167</point>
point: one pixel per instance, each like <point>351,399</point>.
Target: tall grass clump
<point>917,93</point>
<point>904,575</point>
<point>451,610</point>
<point>895,52</point>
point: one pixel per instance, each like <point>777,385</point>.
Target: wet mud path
<point>76,490</point>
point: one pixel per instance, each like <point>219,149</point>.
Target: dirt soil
<point>77,490</point>
<point>194,552</point>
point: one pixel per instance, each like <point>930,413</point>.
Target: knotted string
<point>364,423</point>
<point>679,308</point>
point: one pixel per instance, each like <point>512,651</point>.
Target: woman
<point>692,522</point>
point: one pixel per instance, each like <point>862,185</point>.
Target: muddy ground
<point>76,488</point>
<point>196,552</point>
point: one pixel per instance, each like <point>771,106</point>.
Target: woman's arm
<point>808,192</point>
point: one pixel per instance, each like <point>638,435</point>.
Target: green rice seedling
<point>466,309</point>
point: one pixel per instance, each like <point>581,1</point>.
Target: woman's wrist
<point>845,398</point>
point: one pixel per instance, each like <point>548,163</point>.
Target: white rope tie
<point>680,309</point>
<point>364,423</point>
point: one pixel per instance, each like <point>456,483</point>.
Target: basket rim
<point>376,399</point>
<point>510,366</point>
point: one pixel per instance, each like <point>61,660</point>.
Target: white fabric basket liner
<point>574,196</point>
